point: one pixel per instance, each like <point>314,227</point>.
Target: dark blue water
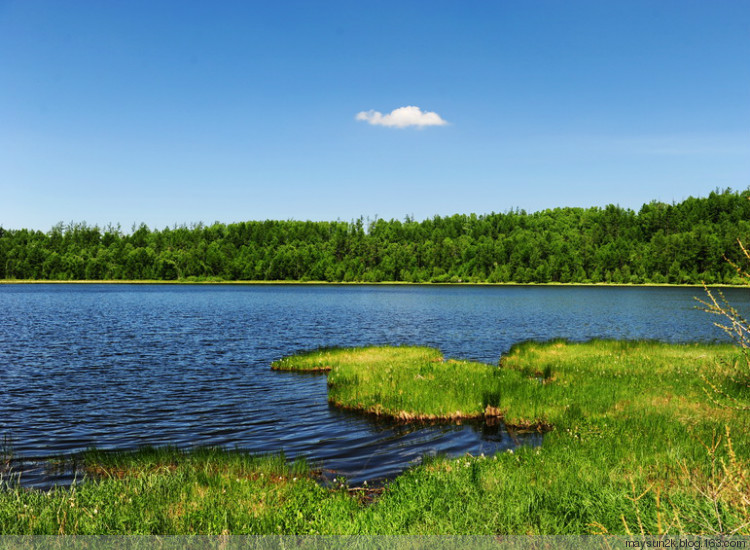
<point>122,366</point>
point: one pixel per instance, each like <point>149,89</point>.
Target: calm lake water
<point>122,366</point>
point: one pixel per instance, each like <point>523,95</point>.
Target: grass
<point>637,446</point>
<point>152,491</point>
<point>412,383</point>
<point>405,383</point>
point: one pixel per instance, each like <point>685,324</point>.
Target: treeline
<point>661,243</point>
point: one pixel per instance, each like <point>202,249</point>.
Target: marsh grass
<point>411,383</point>
<point>6,454</point>
<point>636,446</point>
<point>614,380</point>
<point>537,385</point>
<point>211,460</point>
<point>151,491</point>
<point>7,477</point>
<point>628,419</point>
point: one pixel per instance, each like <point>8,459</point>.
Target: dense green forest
<point>686,242</point>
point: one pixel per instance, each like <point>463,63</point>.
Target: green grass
<point>411,383</point>
<point>153,491</point>
<point>637,445</point>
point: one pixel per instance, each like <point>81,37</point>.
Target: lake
<point>123,366</point>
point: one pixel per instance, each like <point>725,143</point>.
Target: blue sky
<point>178,112</point>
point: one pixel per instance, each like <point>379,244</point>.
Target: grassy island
<point>639,441</point>
<point>415,383</point>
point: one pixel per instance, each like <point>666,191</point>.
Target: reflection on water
<point>123,366</point>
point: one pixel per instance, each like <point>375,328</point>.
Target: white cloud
<point>402,117</point>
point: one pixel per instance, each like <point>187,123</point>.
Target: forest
<point>679,243</point>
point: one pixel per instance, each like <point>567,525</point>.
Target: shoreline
<point>155,282</point>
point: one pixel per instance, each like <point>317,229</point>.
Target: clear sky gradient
<point>177,112</point>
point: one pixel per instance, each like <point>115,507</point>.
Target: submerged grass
<point>636,447</point>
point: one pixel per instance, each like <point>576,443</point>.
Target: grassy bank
<point>637,445</point>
